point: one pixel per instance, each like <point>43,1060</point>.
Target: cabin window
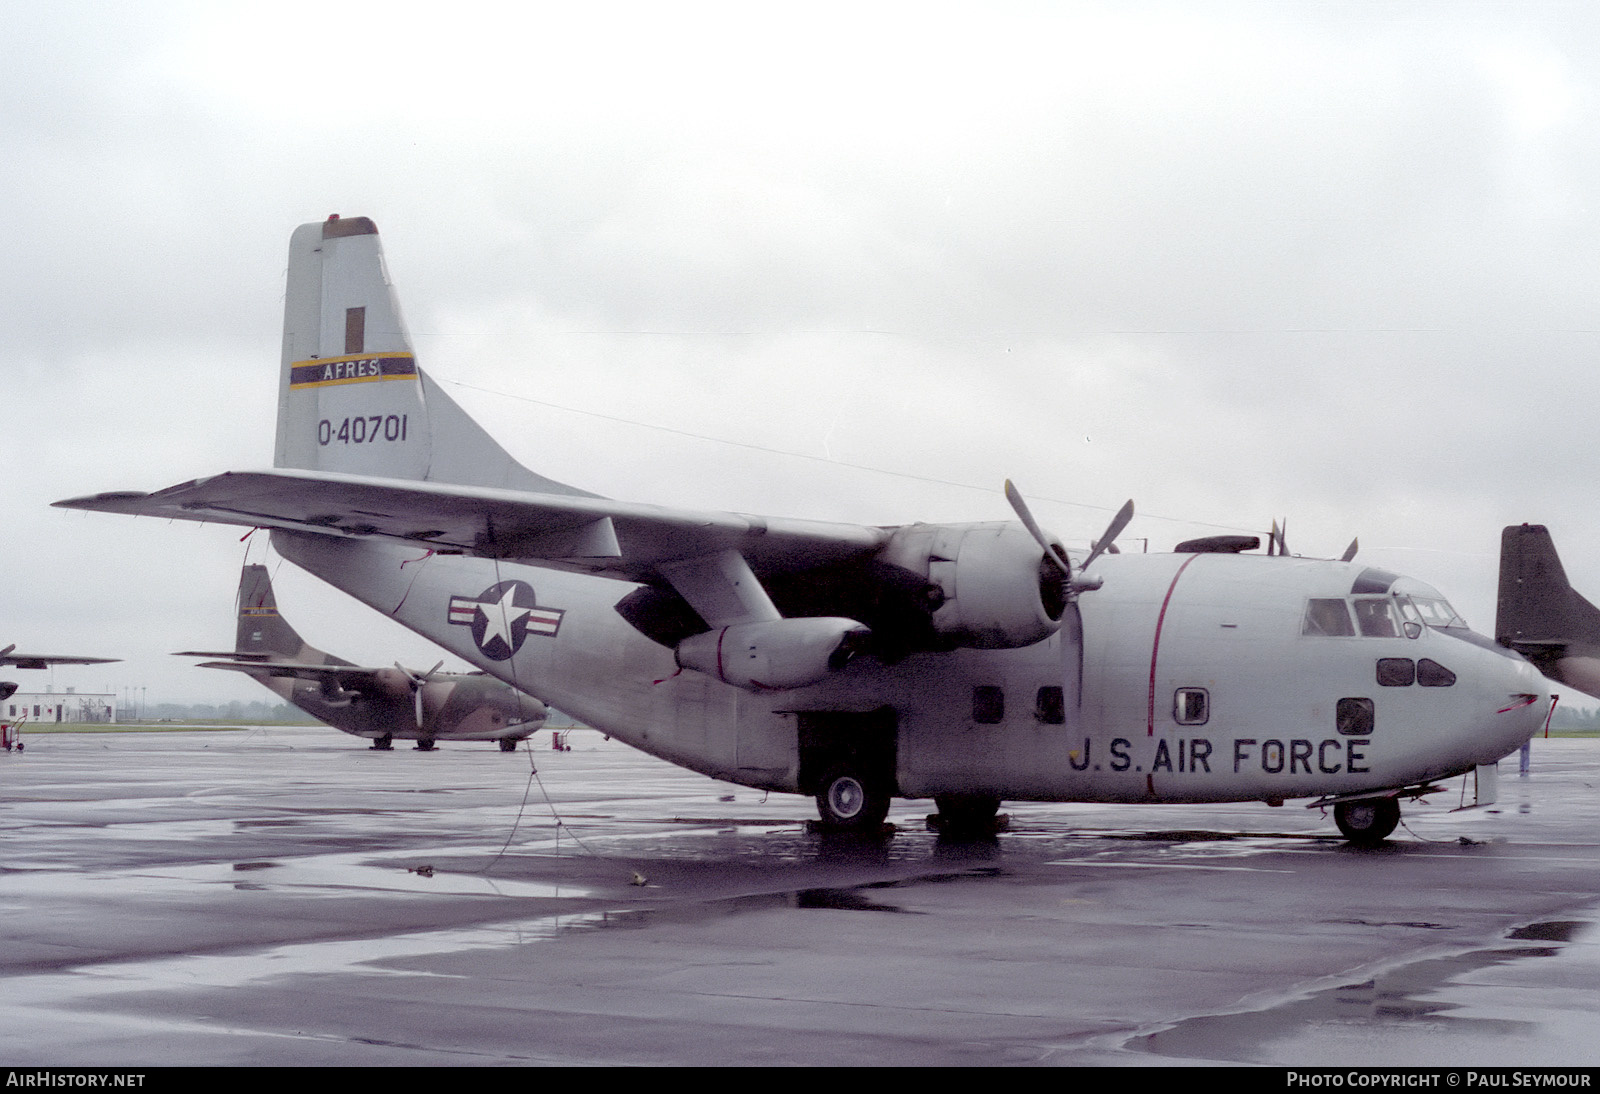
<point>1328,618</point>
<point>1050,706</point>
<point>1396,672</point>
<point>1191,706</point>
<point>1354,717</point>
<point>1431,674</point>
<point>1376,618</point>
<point>988,705</point>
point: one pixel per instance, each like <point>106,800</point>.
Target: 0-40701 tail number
<point>363,430</point>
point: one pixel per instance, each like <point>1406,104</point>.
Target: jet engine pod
<point>1000,591</point>
<point>775,655</point>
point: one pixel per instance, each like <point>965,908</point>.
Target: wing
<point>591,535</point>
<point>45,660</point>
<point>349,677</point>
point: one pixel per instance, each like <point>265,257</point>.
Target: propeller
<point>1279,543</point>
<point>1072,621</point>
<point>1278,540</point>
<point>417,681</point>
<point>1053,551</point>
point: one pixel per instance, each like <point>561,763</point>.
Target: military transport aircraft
<point>40,661</point>
<point>380,704</point>
<point>967,663</point>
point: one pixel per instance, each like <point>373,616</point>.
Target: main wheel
<point>966,814</point>
<point>1367,822</point>
<point>849,802</point>
<point>382,744</point>
<point>508,744</point>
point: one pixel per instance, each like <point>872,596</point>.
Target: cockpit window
<point>1437,612</point>
<point>1328,618</point>
<point>1376,618</point>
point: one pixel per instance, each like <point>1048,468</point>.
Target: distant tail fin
<point>351,398</point>
<point>1538,607</point>
<point>261,629</point>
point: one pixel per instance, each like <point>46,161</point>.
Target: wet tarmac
<point>285,896</point>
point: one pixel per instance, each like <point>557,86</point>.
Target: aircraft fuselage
<point>1199,682</point>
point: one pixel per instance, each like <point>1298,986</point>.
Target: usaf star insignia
<point>503,617</point>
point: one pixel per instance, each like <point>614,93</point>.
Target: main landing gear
<point>965,816</point>
<point>1367,822</point>
<point>383,744</point>
<point>508,744</point>
<point>848,801</point>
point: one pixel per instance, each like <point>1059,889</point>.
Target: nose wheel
<point>1367,822</point>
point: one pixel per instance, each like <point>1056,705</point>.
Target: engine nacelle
<point>773,656</point>
<point>990,585</point>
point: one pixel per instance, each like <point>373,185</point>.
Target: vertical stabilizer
<point>1537,604</point>
<point>1540,614</point>
<point>351,398</point>
<point>261,629</point>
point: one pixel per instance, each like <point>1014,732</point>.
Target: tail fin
<point>1539,611</point>
<point>351,398</point>
<point>261,629</point>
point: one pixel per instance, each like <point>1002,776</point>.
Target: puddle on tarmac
<point>1416,995</point>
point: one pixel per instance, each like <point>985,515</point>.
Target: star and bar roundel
<point>503,616</point>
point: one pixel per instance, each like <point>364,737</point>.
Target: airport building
<point>94,707</point>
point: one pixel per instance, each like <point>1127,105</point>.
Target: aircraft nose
<point>1514,700</point>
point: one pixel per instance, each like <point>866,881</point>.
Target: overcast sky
<point>1335,262</point>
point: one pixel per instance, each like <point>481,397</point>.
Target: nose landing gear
<point>1368,821</point>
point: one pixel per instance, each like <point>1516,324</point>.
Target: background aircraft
<point>381,704</point>
<point>968,663</point>
<point>1540,614</point>
<point>40,661</point>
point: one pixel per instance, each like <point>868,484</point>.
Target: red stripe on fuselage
<point>1155,647</point>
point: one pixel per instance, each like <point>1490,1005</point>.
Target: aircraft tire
<point>849,802</point>
<point>507,744</point>
<point>383,744</point>
<point>425,744</point>
<point>966,814</point>
<point>1368,822</point>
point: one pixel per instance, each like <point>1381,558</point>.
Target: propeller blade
<point>1113,530</point>
<point>417,683</point>
<point>1350,551</point>
<point>1283,537</point>
<point>1026,517</point>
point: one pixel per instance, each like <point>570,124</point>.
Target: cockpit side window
<point>1375,616</point>
<point>1437,612</point>
<point>1328,618</point>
